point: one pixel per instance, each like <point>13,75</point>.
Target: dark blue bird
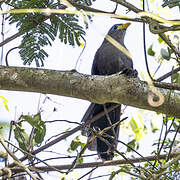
<point>108,60</point>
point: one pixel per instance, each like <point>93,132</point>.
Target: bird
<point>108,60</point>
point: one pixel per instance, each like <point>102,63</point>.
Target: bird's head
<point>118,31</point>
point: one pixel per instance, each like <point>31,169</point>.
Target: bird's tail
<point>104,143</point>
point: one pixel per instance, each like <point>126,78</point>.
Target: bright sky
<point>60,58</point>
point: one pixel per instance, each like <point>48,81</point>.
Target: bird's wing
<point>87,116</point>
<point>88,113</point>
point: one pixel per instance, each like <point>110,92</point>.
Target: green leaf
<point>154,127</point>
<point>177,120</point>
<point>4,128</point>
<point>150,51</point>
<point>32,120</point>
<point>39,130</point>
<point>171,3</point>
<point>165,54</point>
<point>80,160</point>
<point>5,102</point>
<point>134,125</point>
<point>40,134</point>
<point>133,144</point>
<point>160,39</point>
<point>138,127</point>
<point>176,125</point>
<point>21,137</point>
<point>75,143</point>
<point>175,78</point>
<point>38,32</point>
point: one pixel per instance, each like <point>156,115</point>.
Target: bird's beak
<point>124,26</point>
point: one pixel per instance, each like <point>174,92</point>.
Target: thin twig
<point>16,160</point>
<point>164,85</point>
<point>98,164</point>
<point>100,176</point>
<point>65,135</point>
<point>172,142</point>
<point>164,139</point>
<point>97,134</point>
<point>124,169</point>
<point>63,120</point>
<point>135,152</point>
<point>144,45</point>
<point>128,5</point>
<point>2,35</point>
<point>6,58</point>
<point>86,8</point>
<point>10,38</point>
<point>115,9</point>
<point>169,43</point>
<point>87,173</point>
<point>65,157</point>
<point>168,74</point>
<point>78,60</point>
<point>20,134</point>
<point>32,156</point>
<point>158,145</point>
<point>110,123</point>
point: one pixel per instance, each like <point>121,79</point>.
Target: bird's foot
<point>130,72</point>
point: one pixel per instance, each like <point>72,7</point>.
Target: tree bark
<point>116,88</point>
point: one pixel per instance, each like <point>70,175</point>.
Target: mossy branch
<point>116,88</point>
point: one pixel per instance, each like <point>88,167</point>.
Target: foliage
<point>39,30</point>
<point>37,134</point>
<point>163,53</point>
<point>5,102</point>
<point>85,2</point>
<point>171,3</point>
<point>167,168</point>
<point>75,144</point>
<point>4,126</point>
<point>159,49</point>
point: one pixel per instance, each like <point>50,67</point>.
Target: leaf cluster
<point>171,3</point>
<point>40,29</point>
<point>38,131</point>
<point>85,2</point>
<point>166,54</point>
<point>75,144</point>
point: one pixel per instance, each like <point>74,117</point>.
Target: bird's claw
<point>130,72</point>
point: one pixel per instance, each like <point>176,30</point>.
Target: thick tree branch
<point>98,89</point>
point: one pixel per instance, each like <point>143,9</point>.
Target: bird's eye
<point>115,27</point>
